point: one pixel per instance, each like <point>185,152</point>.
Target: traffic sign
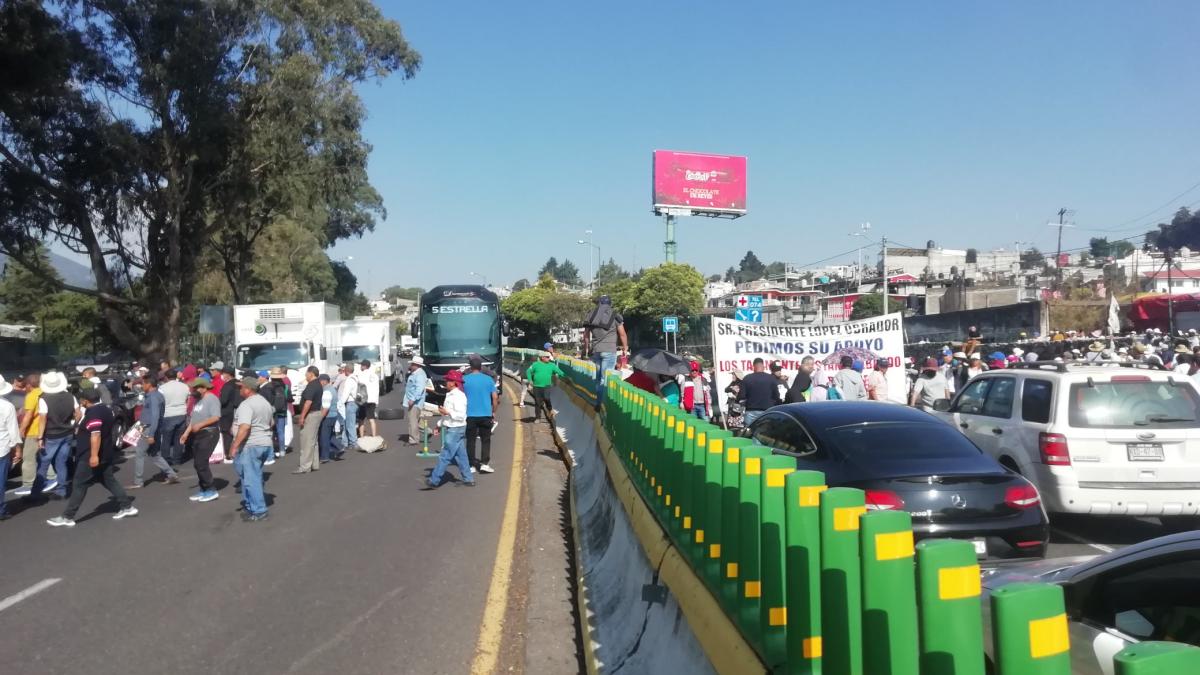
<point>670,324</point>
<point>748,301</point>
<point>751,314</point>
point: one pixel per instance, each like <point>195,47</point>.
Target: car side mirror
<point>942,405</point>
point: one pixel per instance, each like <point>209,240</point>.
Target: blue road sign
<point>751,314</point>
<point>670,324</point>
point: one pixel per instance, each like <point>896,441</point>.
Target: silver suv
<point>1094,439</point>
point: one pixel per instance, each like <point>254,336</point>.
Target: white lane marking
<point>32,590</point>
<point>1080,540</point>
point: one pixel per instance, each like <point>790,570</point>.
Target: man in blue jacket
<point>414,398</point>
<point>153,405</point>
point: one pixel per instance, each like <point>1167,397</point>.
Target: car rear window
<point>1133,404</point>
<point>902,440</point>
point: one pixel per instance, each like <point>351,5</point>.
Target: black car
<point>907,459</point>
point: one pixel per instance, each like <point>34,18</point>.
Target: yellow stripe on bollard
<point>668,500</point>
<point>777,616</point>
<point>716,446</point>
<point>652,484</point>
<point>714,550</point>
<point>753,466</point>
<point>894,545</point>
<point>687,522</point>
<point>734,456</point>
<point>811,495</point>
<point>845,518</point>
<point>679,426</point>
<point>699,536</point>
<point>1048,637</point>
<point>676,511</point>
<point>812,648</point>
<point>691,433</point>
<point>753,589</point>
<point>731,571</point>
<point>776,477</point>
<point>956,583</point>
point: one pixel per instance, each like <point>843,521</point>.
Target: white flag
<point>1114,316</point>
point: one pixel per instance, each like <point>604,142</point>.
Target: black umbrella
<point>660,362</point>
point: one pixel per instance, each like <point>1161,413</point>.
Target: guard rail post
<point>889,596</point>
<point>775,574</point>
<point>1029,630</point>
<point>731,590</point>
<point>841,578</point>
<point>679,481</point>
<point>714,536</point>
<point>951,628</point>
<point>750,541</point>
<point>802,514</point>
<point>1158,658</point>
<point>699,508</point>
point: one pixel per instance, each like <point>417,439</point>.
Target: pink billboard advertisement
<point>706,184</point>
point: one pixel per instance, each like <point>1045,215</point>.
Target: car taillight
<point>1054,449</point>
<point>1022,496</point>
<point>883,500</point>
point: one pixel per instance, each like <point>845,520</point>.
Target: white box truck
<point>294,335</point>
<point>369,339</point>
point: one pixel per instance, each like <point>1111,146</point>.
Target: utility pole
<point>1170,255</point>
<point>1062,212</point>
<point>885,277</point>
<point>669,244</point>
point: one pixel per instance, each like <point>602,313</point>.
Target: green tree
<point>551,268</point>
<point>1033,259</point>
<point>731,275</point>
<point>73,323</point>
<point>567,273</point>
<point>564,310</point>
<point>25,293</point>
<point>671,289</point>
<point>345,294</point>
<point>610,272</point>
<point>715,278</point>
<point>400,329</point>
<point>750,268</point>
<point>775,269</point>
<point>867,306</point>
<point>520,285</point>
<point>394,293</point>
<point>1183,230</point>
<point>184,128</point>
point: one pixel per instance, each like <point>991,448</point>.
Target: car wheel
<point>390,413</point>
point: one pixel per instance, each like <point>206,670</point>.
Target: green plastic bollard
<point>731,478</point>
<point>841,581</point>
<point>698,506</point>
<point>749,548</point>
<point>774,610</point>
<point>1029,630</point>
<point>713,466</point>
<point>679,482</point>
<point>802,514</point>
<point>889,594</point>
<point>948,586</point>
<point>1158,658</point>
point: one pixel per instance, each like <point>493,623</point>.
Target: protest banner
<point>737,343</point>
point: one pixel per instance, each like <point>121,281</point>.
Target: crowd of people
<point>65,439</point>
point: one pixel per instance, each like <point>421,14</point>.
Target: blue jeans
<point>56,452</point>
<point>325,441</point>
<point>605,362</point>
<point>454,451</point>
<point>169,430</point>
<point>350,425</point>
<point>4,464</point>
<point>281,433</point>
<point>249,467</point>
<point>750,416</point>
<point>700,411</point>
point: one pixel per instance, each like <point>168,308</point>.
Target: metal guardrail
<point>815,582</point>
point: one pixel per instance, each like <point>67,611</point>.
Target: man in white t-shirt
<point>370,379</point>
<point>347,390</point>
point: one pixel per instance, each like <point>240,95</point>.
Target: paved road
<point>356,571</point>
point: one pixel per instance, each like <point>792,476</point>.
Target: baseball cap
<point>548,346</point>
<point>262,373</point>
<point>454,376</point>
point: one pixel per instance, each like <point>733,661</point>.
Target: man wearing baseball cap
<point>929,387</point>
<point>454,429</point>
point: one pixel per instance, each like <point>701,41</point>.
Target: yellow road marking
<point>491,629</point>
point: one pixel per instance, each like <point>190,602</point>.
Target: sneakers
<point>135,486</point>
<point>49,487</point>
<point>227,461</point>
<point>486,468</point>
<point>270,460</point>
<point>195,497</point>
<point>209,496</point>
<point>127,512</point>
<point>60,521</point>
<point>494,425</point>
<point>253,517</point>
<point>172,479</point>
<point>23,491</point>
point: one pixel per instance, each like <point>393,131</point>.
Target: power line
<point>1154,210</point>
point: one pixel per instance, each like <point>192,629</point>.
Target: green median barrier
<point>678,483</point>
<point>700,509</point>
<point>1029,630</point>
<point>687,489</point>
<point>667,469</point>
<point>889,594</point>
<point>731,480</point>
<point>948,587</point>
<point>749,549</point>
<point>1158,658</point>
<point>841,581</point>
<point>774,610</point>
<point>802,515</point>
<point>714,516</point>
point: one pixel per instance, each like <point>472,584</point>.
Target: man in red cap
<point>929,387</point>
<point>454,430</point>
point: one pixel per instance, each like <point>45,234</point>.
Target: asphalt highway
<point>357,570</point>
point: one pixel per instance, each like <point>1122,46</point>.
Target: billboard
<point>705,184</point>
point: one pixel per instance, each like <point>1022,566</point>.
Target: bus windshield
<point>291,355</point>
<point>458,328</point>
<point>357,354</point>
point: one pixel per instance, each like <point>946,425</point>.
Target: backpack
<point>278,398</point>
<point>602,316</point>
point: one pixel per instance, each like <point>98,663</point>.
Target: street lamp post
<point>477,274</point>
<point>588,243</point>
<point>862,232</point>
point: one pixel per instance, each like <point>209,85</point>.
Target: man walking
<point>58,411</point>
<point>278,394</point>
<point>10,440</point>
<point>175,409</point>
<point>150,419</point>
<point>204,431</point>
<point>347,393</point>
<point>310,422</point>
<point>414,398</point>
<point>329,419</point>
<point>254,419</point>
<point>454,425</point>
<point>95,450</point>
<point>368,378</point>
<point>482,401</point>
<point>798,392</point>
<point>31,424</point>
<point>602,329</point>
<point>542,375</point>
<point>877,384</point>
<point>759,391</point>
<point>228,396</point>
<point>849,382</point>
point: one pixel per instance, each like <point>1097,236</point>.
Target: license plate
<point>980,547</point>
<point>1145,452</point>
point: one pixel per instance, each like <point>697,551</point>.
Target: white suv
<point>1097,439</point>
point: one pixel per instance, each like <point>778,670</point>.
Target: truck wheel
<point>390,413</point>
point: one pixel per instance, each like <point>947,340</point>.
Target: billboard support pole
<point>669,244</point>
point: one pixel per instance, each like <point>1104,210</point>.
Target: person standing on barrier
<point>454,425</point>
<point>602,330</point>
<point>542,374</point>
<point>482,401</point>
<point>759,391</point>
<point>414,398</point>
<point>254,420</point>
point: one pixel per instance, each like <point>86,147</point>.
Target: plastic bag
<point>218,453</point>
<point>133,436</point>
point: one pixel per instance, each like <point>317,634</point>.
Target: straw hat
<point>1179,349</point>
<point>1096,346</point>
<point>5,388</point>
<point>278,373</point>
<point>53,382</point>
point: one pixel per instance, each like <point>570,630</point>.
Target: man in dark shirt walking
<point>229,398</point>
<point>760,391</point>
<point>95,450</point>
<point>310,422</point>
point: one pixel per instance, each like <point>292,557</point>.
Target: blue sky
<point>966,123</point>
